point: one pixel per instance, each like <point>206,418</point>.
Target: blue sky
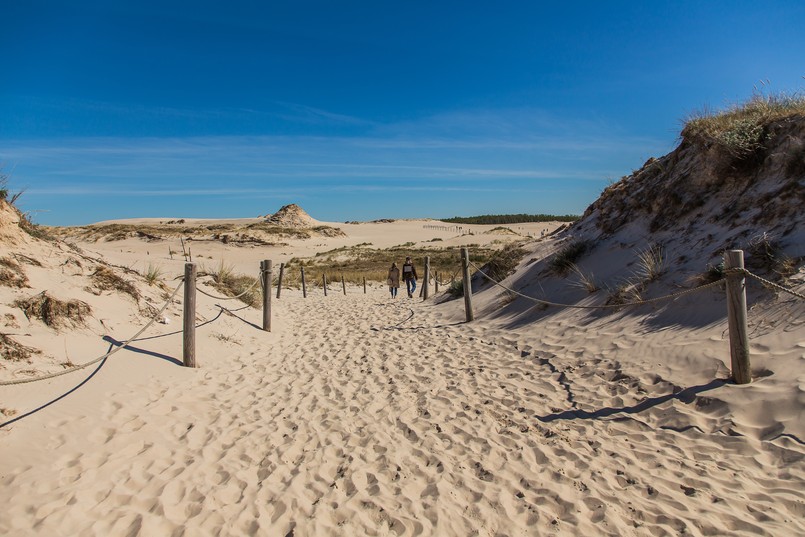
<point>363,110</point>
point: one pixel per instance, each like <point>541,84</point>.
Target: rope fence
<point>105,356</point>
<point>601,306</point>
<point>734,276</point>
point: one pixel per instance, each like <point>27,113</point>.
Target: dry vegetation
<point>742,129</point>
<point>246,288</point>
<point>261,233</point>
<point>14,351</point>
<point>355,263</point>
<point>54,312</point>
<point>12,274</point>
<point>104,279</point>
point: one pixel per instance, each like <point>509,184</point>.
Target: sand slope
<point>361,415</point>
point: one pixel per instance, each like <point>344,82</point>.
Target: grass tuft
<point>584,280</point>
<point>153,274</point>
<point>651,263</point>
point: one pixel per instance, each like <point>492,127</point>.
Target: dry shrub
<point>231,284</point>
<point>504,262</point>
<point>566,257</point>
<point>626,292</point>
<point>14,351</point>
<point>766,254</point>
<point>105,279</point>
<point>54,312</point>
<point>741,130</point>
<point>11,274</point>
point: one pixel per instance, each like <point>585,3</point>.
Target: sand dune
<point>362,415</point>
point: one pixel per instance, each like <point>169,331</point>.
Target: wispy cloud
<point>480,153</point>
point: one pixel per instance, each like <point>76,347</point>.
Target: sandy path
<point>361,415</point>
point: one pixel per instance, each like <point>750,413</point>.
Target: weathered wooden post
<point>426,283</point>
<point>304,287</point>
<point>436,281</point>
<point>324,283</point>
<point>364,285</point>
<point>265,274</point>
<point>343,285</point>
<point>189,328</point>
<point>465,272</point>
<point>736,317</point>
<point>279,279</point>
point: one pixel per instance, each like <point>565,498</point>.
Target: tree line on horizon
<point>510,218</point>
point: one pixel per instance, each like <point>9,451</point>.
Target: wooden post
<point>279,280</point>
<point>265,274</point>
<point>324,283</point>
<point>343,285</point>
<point>364,285</point>
<point>465,272</point>
<point>426,283</point>
<point>436,281</point>
<point>736,317</point>
<point>189,328</point>
<point>304,287</point>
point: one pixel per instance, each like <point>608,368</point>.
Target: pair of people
<point>408,275</point>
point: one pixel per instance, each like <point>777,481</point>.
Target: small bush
<point>456,289</point>
<point>765,254</point>
<point>232,284</point>
<point>566,257</point>
<point>504,262</point>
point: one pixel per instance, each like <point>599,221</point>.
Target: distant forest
<point>510,218</point>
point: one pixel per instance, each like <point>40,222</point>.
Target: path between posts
<point>366,415</point>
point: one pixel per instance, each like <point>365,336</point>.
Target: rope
<point>105,356</point>
<point>602,306</point>
<point>772,284</point>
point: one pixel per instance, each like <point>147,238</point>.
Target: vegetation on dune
<point>105,279</point>
<point>14,351</point>
<point>491,219</point>
<point>565,259</point>
<point>54,312</point>
<point>504,262</point>
<point>355,263</point>
<point>741,129</point>
<point>246,288</point>
<point>12,274</point>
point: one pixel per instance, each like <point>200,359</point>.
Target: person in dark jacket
<point>410,277</point>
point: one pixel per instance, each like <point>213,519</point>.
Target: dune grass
<point>741,128</point>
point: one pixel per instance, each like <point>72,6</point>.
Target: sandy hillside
<point>360,414</point>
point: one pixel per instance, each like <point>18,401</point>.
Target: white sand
<point>363,415</point>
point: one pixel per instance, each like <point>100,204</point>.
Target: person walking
<point>410,277</point>
<point>394,280</point>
